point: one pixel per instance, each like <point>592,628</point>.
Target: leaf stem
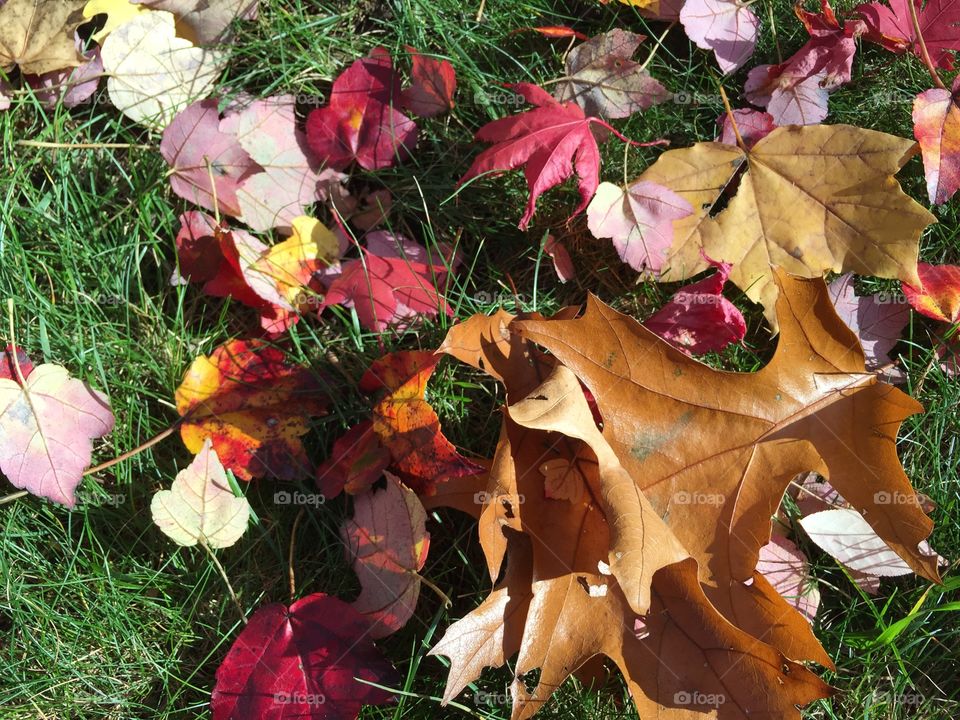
<point>140,448</point>
<point>440,593</point>
<point>726,105</point>
<point>83,146</point>
<point>223,574</point>
<point>293,538</point>
<point>924,55</point>
<point>658,44</point>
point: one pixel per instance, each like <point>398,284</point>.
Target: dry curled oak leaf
<point>936,126</point>
<point>433,86</point>
<point>47,425</point>
<point>205,162</point>
<point>551,141</point>
<point>603,79</point>
<point>407,424</point>
<point>892,27</point>
<point>557,606</point>
<point>253,406</point>
<point>713,452</point>
<point>200,507</point>
<point>38,35</point>
<point>387,543</point>
<point>810,200</point>
<point>305,662</point>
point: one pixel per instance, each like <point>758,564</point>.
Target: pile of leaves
<point>632,510</point>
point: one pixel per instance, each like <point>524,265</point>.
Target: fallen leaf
<point>253,406</point>
<point>553,141</point>
<point>72,86</point>
<point>937,295</point>
<point>199,507</point>
<point>291,181</point>
<point>302,662</point>
<point>639,221</point>
<point>557,31</point>
<point>603,79</point>
<point>727,27</point>
<point>810,199</point>
<point>206,22</point>
<point>752,124</point>
<point>562,263</point>
<point>47,426</point>
<point>786,568</point>
<point>434,83</point>
<point>392,283</point>
<point>876,321</point>
<point>360,122</point>
<point>698,318</point>
<point>118,12</point>
<point>205,162</point>
<point>12,358</point>
<point>892,27</point>
<point>846,536</point>
<point>713,452</point>
<point>153,74</point>
<point>38,35</point>
<point>936,126</point>
<point>357,461</point>
<point>387,543</point>
<point>788,100</point>
<point>407,424</point>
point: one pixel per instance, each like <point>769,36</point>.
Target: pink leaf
<point>785,567</point>
<point>640,222</point>
<point>198,152</point>
<point>290,182</point>
<point>892,27</point>
<point>46,431</point>
<point>387,543</point>
<point>301,663</point>
<point>752,124</point>
<point>727,27</point>
<point>876,321</point>
<point>562,263</point>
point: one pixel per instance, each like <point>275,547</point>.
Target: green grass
<point>102,617</point>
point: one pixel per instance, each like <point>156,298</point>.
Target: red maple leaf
<point>553,140</point>
<point>892,27</point>
<point>434,83</point>
<point>361,122</point>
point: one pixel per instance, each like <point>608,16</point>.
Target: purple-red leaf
<point>302,663</point>
<point>361,121</point>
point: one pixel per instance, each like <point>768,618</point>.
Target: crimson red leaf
<point>434,83</point>
<point>360,122</point>
<point>752,124</point>
<point>553,141</point>
<point>302,662</point>
<point>698,318</point>
<point>892,27</point>
<point>938,297</point>
<point>8,368</point>
<point>395,281</point>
